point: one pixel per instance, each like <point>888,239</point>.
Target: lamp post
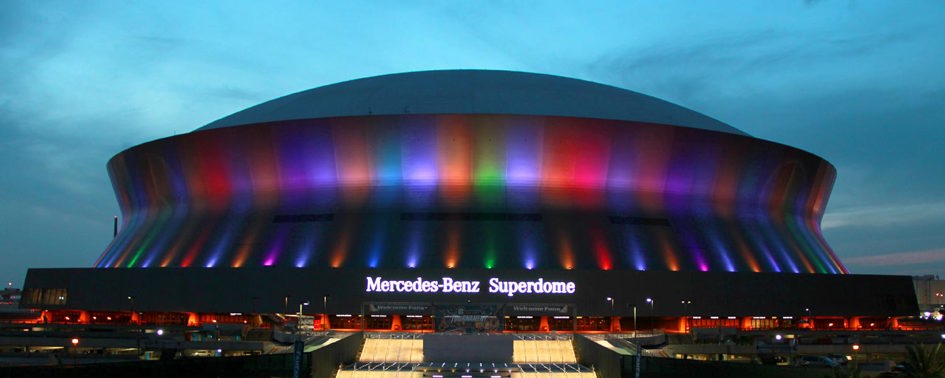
<point>686,304</point>
<point>611,300</point>
<point>810,320</point>
<point>652,304</point>
<point>300,308</point>
<point>131,299</point>
<point>297,366</point>
<point>131,321</point>
<point>75,349</point>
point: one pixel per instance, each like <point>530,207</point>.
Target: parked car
<point>816,361</point>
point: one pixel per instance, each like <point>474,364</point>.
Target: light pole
<point>652,304</point>
<point>300,308</point>
<point>686,304</point>
<point>611,300</point>
<point>75,349</point>
<point>131,320</point>
<point>132,300</point>
<point>299,346</point>
<point>810,320</point>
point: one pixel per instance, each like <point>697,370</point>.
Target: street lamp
<point>810,320</point>
<point>686,304</point>
<point>75,349</point>
<point>131,299</point>
<point>299,346</point>
<point>611,300</point>
<point>652,304</point>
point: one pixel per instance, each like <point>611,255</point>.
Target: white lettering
<point>450,285</point>
<point>539,286</point>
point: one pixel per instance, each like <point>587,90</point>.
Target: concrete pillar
<point>853,322</point>
<point>543,324</point>
<point>395,324</point>
<point>744,323</point>
<point>614,324</point>
<point>192,319</point>
<point>326,325</point>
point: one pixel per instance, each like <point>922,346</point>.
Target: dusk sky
<point>859,83</point>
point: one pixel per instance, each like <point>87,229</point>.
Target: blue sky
<point>861,84</point>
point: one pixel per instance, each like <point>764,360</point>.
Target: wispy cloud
<point>884,215</point>
<point>899,258</point>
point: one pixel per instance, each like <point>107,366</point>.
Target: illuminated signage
<point>449,285</point>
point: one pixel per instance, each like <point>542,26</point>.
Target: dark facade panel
<point>255,290</point>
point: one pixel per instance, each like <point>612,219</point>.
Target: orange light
<point>340,252</point>
<point>452,247</point>
<point>567,254</point>
<point>856,346</point>
<point>75,341</point>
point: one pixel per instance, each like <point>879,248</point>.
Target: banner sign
<point>399,308</point>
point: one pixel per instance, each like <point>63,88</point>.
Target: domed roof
<point>472,92</point>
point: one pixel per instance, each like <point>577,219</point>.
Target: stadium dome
<point>471,169</point>
<point>472,92</point>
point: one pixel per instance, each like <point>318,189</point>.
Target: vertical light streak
<point>454,159</point>
<point>452,253</point>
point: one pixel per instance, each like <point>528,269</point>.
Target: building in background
<point>471,199</point>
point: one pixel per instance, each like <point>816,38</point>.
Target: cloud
<point>899,259</point>
<point>884,215</point>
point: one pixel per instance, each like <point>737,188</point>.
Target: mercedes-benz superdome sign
<point>448,285</point>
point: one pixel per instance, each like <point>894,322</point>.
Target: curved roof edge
<point>472,92</point>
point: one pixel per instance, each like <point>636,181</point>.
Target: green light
<point>490,247</point>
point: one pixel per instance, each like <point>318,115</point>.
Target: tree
<point>846,372</point>
<point>924,361</point>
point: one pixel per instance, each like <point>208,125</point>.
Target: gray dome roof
<point>472,92</point>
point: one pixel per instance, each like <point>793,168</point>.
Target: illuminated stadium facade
<point>504,194</point>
